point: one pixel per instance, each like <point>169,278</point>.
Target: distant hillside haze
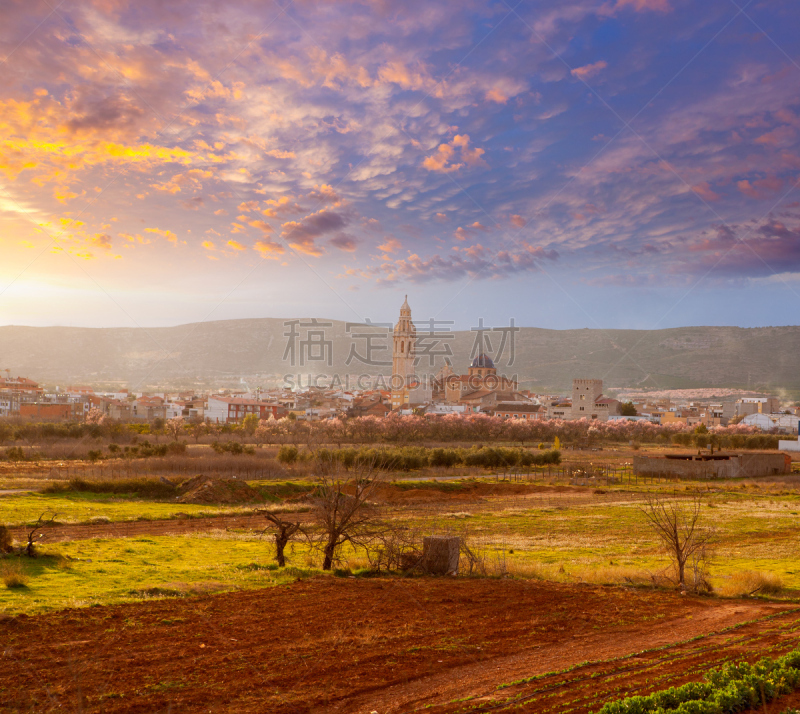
<point>259,352</point>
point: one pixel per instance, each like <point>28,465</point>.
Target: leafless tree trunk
<point>343,513</point>
<point>676,522</point>
<point>284,530</point>
<point>30,549</point>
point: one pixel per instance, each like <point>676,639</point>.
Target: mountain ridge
<point>256,352</point>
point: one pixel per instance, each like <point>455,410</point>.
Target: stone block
<point>440,554</point>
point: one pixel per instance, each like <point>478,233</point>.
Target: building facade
<point>588,401</point>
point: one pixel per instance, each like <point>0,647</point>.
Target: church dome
<point>483,361</point>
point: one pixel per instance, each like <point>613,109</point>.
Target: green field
<point>99,571</point>
<point>75,507</point>
<point>599,537</point>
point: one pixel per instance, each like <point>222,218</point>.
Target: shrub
<point>13,575</point>
<point>176,447</point>
<point>15,453</point>
<point>5,540</point>
<point>230,447</point>
<point>409,458</point>
<point>750,582</point>
<point>146,449</point>
<point>153,488</point>
<point>288,454</point>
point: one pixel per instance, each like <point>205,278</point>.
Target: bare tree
<point>676,522</point>
<point>30,549</point>
<point>343,513</point>
<point>284,530</point>
<point>174,427</point>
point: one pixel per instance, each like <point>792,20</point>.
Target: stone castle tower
<point>403,347</point>
<point>585,392</point>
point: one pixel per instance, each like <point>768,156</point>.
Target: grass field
<point>85,573</point>
<point>567,535</point>
<point>75,507</point>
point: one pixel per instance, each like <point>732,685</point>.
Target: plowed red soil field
<point>385,645</point>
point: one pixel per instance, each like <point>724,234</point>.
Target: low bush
<point>5,540</point>
<point>15,453</point>
<point>13,574</point>
<point>750,582</point>
<point>733,687</point>
<point>288,454</point>
<point>153,488</point>
<point>410,458</point>
<point>146,449</point>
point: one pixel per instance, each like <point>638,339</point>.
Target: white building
<point>787,423</point>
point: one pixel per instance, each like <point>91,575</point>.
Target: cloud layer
<point>388,143</point>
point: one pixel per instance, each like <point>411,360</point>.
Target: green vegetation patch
<point>138,487</point>
<point>731,688</point>
<point>83,507</point>
<point>99,571</point>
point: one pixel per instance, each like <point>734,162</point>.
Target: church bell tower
<point>403,352</point>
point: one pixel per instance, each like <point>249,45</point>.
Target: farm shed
<point>720,465</point>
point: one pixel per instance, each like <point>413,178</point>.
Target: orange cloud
<point>278,154</point>
<point>471,156</point>
<point>281,208</point>
<point>135,239</point>
<point>169,235</point>
<point>268,249</point>
<point>589,70</point>
<point>103,240</point>
<point>263,226</point>
<point>235,245</point>
<point>495,95</point>
<point>390,245</point>
<point>441,160</point>
<point>518,221</point>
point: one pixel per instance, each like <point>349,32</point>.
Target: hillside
<point>251,352</point>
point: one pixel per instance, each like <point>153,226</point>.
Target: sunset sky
<point>567,163</point>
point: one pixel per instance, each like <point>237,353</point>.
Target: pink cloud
<point>391,245</point>
<point>589,70</point>
<point>441,161</point>
<point>495,95</point>
<point>705,192</point>
<point>782,135</point>
<point>642,5</point>
<point>761,188</point>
